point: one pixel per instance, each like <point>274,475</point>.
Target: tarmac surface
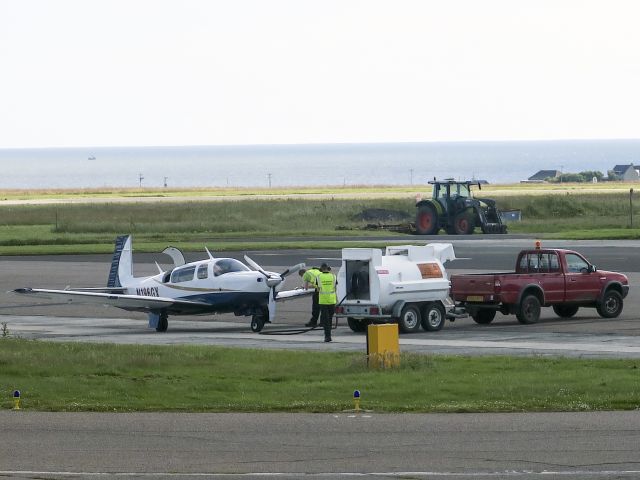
<point>320,446</point>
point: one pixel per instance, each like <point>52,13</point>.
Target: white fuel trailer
<point>407,285</point>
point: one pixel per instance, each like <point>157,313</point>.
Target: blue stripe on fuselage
<point>224,302</point>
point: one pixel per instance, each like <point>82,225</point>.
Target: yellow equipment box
<point>383,347</point>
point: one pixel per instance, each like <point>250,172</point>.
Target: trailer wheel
<point>463,224</point>
<point>409,320</point>
<point>611,305</point>
<point>529,309</point>
<point>426,220</point>
<point>356,325</point>
<point>565,311</point>
<point>433,317</point>
<point>484,316</point>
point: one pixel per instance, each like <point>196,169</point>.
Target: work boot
<point>311,324</point>
<point>327,339</point>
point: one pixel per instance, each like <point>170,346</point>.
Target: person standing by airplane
<point>327,298</point>
<point>309,281</point>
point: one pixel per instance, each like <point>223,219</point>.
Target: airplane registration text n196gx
<point>213,285</point>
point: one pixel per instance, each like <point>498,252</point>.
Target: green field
<point>283,222</point>
<point>122,378</point>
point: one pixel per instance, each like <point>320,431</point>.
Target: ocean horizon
<point>305,165</point>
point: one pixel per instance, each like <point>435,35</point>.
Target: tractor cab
<point>448,193</point>
<point>453,208</point>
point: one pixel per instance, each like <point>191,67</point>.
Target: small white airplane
<point>214,285</point>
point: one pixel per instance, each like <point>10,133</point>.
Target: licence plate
<point>475,298</point>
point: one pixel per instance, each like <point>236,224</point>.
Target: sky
<point>236,72</point>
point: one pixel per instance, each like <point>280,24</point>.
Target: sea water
<point>305,165</point>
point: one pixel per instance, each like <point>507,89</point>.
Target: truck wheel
<point>529,310</point>
<point>484,316</point>
<point>611,305</point>
<point>409,320</point>
<point>433,317</point>
<point>463,224</point>
<point>565,311</point>
<point>356,325</point>
<point>426,220</point>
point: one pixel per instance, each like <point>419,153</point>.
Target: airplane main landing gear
<point>163,322</point>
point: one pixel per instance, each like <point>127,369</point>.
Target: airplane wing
<point>289,294</point>
<point>126,302</point>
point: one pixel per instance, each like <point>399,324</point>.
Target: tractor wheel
<point>463,224</point>
<point>426,220</point>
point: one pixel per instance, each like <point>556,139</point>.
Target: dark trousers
<point>326,316</point>
<point>315,308</point>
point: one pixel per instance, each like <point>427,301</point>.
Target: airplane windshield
<point>227,265</point>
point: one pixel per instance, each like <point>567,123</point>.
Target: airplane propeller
<point>273,280</point>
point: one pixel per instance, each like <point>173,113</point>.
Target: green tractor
<point>453,208</point>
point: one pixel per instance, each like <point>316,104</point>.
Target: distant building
<point>542,176</point>
<point>627,173</point>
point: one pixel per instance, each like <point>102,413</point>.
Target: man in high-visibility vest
<point>309,281</point>
<point>327,298</point>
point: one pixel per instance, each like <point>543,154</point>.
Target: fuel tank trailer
<point>407,285</point>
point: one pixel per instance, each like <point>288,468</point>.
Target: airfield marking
<point>528,345</point>
<point>507,473</point>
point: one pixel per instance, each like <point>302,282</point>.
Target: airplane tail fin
<point>121,262</point>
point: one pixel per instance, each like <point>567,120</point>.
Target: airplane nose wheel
<point>257,322</point>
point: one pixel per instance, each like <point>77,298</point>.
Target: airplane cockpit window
<point>203,271</point>
<point>183,274</point>
<point>227,265</point>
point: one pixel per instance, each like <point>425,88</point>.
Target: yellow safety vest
<point>326,283</point>
<point>311,275</point>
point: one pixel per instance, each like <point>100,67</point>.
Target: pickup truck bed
<point>557,278</point>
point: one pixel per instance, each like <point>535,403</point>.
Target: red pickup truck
<point>561,279</point>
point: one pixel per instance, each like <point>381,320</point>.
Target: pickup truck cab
<point>562,279</point>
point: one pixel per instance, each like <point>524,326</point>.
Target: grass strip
<point>284,223</point>
<point>106,377</point>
